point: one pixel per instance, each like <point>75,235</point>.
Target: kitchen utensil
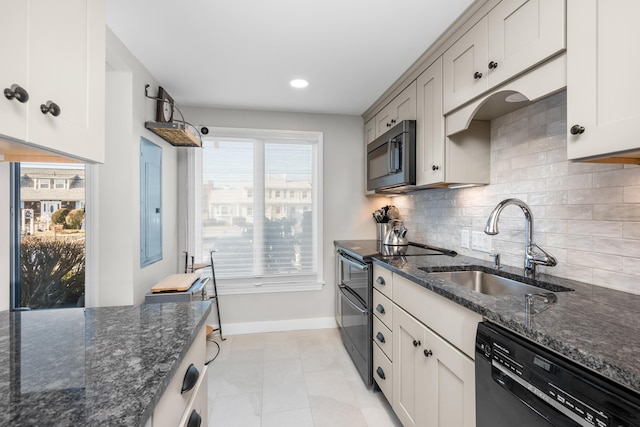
<point>393,212</point>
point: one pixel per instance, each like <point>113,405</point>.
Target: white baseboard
<point>278,326</point>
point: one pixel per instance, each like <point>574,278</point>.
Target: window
<point>59,184</point>
<point>48,239</point>
<point>260,244</point>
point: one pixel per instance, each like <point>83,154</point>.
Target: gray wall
<point>587,215</point>
<point>121,280</point>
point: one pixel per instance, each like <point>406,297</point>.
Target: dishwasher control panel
<point>571,394</point>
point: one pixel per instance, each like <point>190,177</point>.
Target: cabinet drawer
<point>383,280</point>
<point>173,402</point>
<point>383,337</point>
<point>198,404</point>
<point>382,308</point>
<point>382,373</point>
<point>451,321</point>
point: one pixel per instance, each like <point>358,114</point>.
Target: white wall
<point>347,214</point>
<point>122,281</point>
<point>5,233</point>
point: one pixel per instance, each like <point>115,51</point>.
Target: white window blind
<point>263,242</point>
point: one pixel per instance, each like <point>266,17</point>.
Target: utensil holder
<point>383,228</point>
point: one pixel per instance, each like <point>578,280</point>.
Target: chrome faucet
<point>531,257</point>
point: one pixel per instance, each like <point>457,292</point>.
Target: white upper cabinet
<point>602,83</point>
<point>465,64</point>
<point>63,44</point>
<point>13,72</point>
<point>513,37</point>
<point>402,107</point>
<point>430,140</point>
<point>369,136</point>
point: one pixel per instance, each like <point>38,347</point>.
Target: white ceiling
<point>243,53</point>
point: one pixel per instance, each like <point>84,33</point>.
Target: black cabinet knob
<point>16,92</point>
<point>380,373</point>
<point>493,65</point>
<point>576,130</point>
<point>190,378</point>
<point>435,167</point>
<point>380,337</point>
<point>427,353</point>
<point>477,75</point>
<point>51,108</point>
<point>380,309</point>
<point>195,420</point>
<point>416,343</point>
<point>380,280</point>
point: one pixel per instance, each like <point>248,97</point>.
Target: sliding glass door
<point>48,235</point>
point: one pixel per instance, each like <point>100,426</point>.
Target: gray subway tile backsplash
<point>587,215</point>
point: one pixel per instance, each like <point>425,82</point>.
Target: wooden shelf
<point>174,133</point>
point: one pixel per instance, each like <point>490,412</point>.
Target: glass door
<point>48,235</point>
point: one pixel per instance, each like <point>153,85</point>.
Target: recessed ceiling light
<point>299,83</point>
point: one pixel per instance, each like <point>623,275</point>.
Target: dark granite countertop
<point>94,366</point>
<point>596,327</point>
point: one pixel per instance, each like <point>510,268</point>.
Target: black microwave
<point>391,159</point>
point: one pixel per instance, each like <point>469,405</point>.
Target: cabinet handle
<point>16,92</point>
<point>380,373</point>
<point>416,343</point>
<point>380,309</point>
<point>380,281</point>
<point>190,378</point>
<point>380,337</point>
<point>493,65</point>
<point>576,130</point>
<point>195,420</point>
<point>435,167</point>
<point>50,107</point>
<point>477,75</point>
<point>427,353</point>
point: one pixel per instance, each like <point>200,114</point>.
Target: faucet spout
<point>531,257</point>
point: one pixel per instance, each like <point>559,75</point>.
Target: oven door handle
<point>344,291</point>
<point>357,265</point>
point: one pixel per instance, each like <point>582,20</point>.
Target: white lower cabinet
<point>176,407</point>
<point>433,382</point>
<point>423,354</point>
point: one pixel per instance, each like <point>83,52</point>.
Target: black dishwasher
<point>519,383</point>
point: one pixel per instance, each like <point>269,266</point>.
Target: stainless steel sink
<point>492,284</point>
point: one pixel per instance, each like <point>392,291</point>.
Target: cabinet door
<point>66,66</point>
<point>13,48</point>
<point>464,67</point>
<point>409,367</point>
<point>523,33</point>
<point>602,82</point>
<point>402,107</point>
<point>430,127</point>
<point>450,384</point>
<point>369,135</point>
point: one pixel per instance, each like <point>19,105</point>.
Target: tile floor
<point>296,379</point>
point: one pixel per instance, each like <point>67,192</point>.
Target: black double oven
<point>354,294</point>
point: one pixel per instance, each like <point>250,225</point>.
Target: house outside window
<point>261,246</point>
<point>44,184</point>
<point>59,184</point>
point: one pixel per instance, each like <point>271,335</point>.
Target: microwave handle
<point>391,158</point>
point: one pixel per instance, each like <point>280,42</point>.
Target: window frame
<point>251,285</point>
